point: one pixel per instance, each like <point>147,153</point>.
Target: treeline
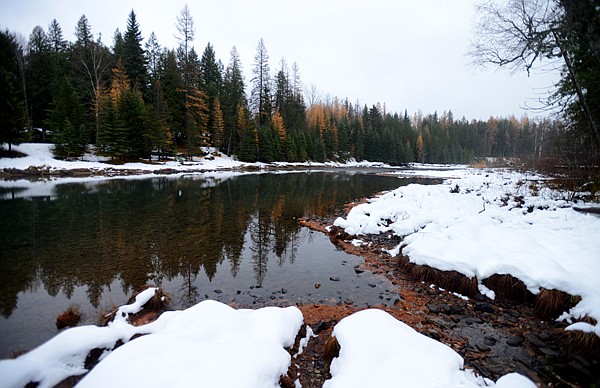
<point>135,100</point>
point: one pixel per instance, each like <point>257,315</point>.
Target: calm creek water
<point>230,238</point>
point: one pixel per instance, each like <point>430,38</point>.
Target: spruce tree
<point>234,95</point>
<point>12,110</point>
<point>67,123</point>
<point>261,98</point>
<point>134,59</point>
<point>39,76</point>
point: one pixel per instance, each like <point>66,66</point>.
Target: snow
<point>65,354</point>
<point>40,155</point>
<point>376,350</point>
<point>223,347</point>
<point>492,222</point>
<point>209,342</point>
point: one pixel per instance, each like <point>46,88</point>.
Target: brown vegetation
<point>68,318</point>
<point>451,280</point>
<point>508,287</point>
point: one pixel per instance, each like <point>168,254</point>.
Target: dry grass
<point>331,350</point>
<point>69,318</point>
<point>580,342</point>
<point>478,164</point>
<point>549,304</point>
<point>509,287</point>
<point>450,280</point>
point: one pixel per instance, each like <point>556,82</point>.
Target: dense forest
<point>138,99</point>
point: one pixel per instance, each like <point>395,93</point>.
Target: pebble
<point>218,291</point>
<point>483,348</point>
<point>476,320</point>
<point>334,278</point>
<point>484,307</point>
<point>549,352</point>
<point>372,285</point>
<point>515,340</point>
<point>489,340</point>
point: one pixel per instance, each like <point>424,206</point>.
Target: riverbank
<point>494,337</point>
<point>38,162</point>
<point>494,334</point>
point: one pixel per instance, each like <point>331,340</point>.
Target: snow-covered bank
<point>40,157</point>
<point>394,354</point>
<point>209,342</point>
<point>482,223</point>
<point>214,345</point>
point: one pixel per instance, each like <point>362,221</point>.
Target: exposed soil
<point>494,337</point>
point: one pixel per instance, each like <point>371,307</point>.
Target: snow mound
<point>209,342</point>
<point>493,222</point>
<point>64,355</point>
<point>376,350</point>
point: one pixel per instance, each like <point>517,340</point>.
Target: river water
<point>224,237</point>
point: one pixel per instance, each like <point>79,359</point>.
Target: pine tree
<point>114,138</point>
<point>118,45</point>
<point>134,59</point>
<point>234,95</point>
<point>261,99</point>
<point>39,75</point>
<point>218,127</point>
<point>211,80</point>
<point>153,52</point>
<point>173,92</point>
<point>67,123</point>
<point>248,133</point>
<point>12,111</point>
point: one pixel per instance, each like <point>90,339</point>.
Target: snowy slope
<point>482,223</point>
<point>40,155</point>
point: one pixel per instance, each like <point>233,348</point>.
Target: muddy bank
<point>494,337</point>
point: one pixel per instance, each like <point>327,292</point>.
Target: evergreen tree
<point>172,89</point>
<point>153,52</point>
<point>12,111</point>
<point>134,58</point>
<point>234,95</point>
<point>118,45</point>
<point>261,95</point>
<point>218,127</point>
<point>67,123</point>
<point>248,134</point>
<point>39,74</point>
<point>55,36</point>
<point>211,80</point>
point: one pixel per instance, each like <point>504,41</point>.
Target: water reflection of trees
<point>157,229</point>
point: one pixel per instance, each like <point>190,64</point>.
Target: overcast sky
<point>405,53</point>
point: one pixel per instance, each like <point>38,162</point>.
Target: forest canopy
<point>138,99</point>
